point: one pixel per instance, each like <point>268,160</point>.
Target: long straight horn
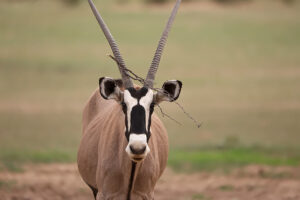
<point>114,47</point>
<point>155,62</point>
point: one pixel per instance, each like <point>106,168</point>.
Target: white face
<point>138,108</point>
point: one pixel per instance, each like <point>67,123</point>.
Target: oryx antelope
<point>124,146</point>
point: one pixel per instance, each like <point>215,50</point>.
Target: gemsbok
<point>124,146</point>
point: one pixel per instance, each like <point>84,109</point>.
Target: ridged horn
<point>157,56</point>
<point>114,47</point>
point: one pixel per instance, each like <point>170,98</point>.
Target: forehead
<point>138,94</point>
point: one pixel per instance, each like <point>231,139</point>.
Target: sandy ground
<point>62,182</point>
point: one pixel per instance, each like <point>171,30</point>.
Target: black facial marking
<point>124,108</point>
<point>138,121</point>
<point>138,114</point>
<point>138,94</point>
<point>149,122</point>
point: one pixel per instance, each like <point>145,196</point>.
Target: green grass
<point>200,197</point>
<point>227,158</point>
<point>239,67</point>
<point>226,187</point>
<point>6,184</point>
<point>14,160</point>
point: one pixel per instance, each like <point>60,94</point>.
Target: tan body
<point>102,160</point>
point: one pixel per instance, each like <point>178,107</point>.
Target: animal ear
<point>170,91</point>
<point>110,88</point>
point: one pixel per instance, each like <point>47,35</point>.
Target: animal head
<point>138,106</point>
<point>137,103</point>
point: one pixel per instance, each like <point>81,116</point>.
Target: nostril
<point>137,151</point>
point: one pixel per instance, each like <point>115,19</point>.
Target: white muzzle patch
<point>137,148</point>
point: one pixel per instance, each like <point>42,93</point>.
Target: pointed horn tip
<point>161,44</point>
<point>117,55</point>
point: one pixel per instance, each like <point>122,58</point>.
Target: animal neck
<point>131,180</point>
<point>118,142</point>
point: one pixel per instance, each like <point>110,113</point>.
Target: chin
<point>137,158</point>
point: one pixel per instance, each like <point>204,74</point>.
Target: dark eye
<point>152,105</point>
<point>123,104</point>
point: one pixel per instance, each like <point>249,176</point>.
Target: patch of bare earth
<point>62,182</point>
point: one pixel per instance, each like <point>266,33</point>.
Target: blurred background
<point>239,61</point>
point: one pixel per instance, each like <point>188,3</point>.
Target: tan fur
<point>102,160</point>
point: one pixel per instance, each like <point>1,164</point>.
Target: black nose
<point>137,151</point>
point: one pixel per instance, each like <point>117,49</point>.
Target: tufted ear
<point>170,91</point>
<point>110,88</point>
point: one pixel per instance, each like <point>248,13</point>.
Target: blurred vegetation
<point>232,1</point>
<point>72,2</point>
<point>156,1</point>
<point>4,184</point>
<point>217,1</point>
<point>76,2</point>
<point>226,158</point>
<point>200,197</point>
<point>239,67</point>
<point>289,1</point>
